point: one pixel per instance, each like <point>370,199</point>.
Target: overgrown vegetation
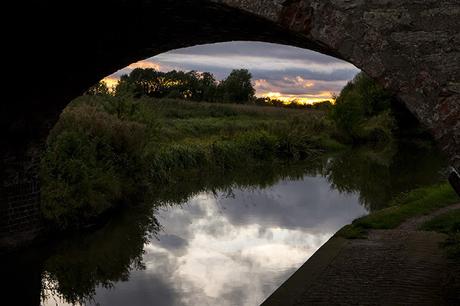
<point>93,161</point>
<point>105,149</point>
<point>109,145</point>
<point>364,112</point>
<point>414,203</point>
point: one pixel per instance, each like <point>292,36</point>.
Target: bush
<point>377,129</point>
<point>363,111</point>
<point>92,162</point>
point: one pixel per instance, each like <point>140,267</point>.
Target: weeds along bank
<point>107,150</point>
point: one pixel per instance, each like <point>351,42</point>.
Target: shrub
<point>92,162</point>
<point>363,111</point>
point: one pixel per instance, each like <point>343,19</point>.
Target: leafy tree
<point>192,85</point>
<point>237,87</point>
<point>92,163</point>
<point>173,84</point>
<point>363,110</point>
<point>141,82</point>
<point>208,87</point>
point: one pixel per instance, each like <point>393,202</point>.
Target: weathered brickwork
<point>411,47</point>
<point>20,212</point>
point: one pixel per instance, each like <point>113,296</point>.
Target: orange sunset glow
<point>299,99</point>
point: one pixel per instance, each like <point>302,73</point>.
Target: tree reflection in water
<point>380,175</point>
<point>84,262</point>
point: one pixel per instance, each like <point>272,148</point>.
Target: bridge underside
<point>59,48</point>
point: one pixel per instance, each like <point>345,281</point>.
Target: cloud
<point>289,88</point>
<point>144,65</point>
<point>256,49</point>
<point>250,62</point>
<point>111,81</point>
<point>285,70</point>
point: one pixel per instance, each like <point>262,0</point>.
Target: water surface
<point>218,239</point>
<point>234,250</point>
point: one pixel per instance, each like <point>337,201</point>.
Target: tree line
<point>195,86</point>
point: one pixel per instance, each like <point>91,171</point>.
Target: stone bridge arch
<point>57,49</point>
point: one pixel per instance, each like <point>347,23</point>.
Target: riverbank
<point>108,151</point>
<point>413,260</point>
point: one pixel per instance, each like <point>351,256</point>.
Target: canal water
<point>219,239</point>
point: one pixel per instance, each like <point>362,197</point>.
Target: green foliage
<point>363,111</point>
<point>299,138</point>
<point>141,82</point>
<point>447,223</point>
<point>93,160</point>
<point>452,246</point>
<point>378,128</point>
<point>105,146</point>
<point>100,89</point>
<point>237,87</point>
<point>174,84</point>
<point>415,203</point>
<point>81,264</point>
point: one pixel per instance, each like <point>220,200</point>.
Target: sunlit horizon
<point>279,72</point>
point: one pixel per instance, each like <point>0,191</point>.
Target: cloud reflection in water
<point>221,250</point>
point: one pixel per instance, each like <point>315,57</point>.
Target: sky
<point>278,71</point>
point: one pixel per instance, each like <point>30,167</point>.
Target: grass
<point>418,202</point>
<point>445,223</point>
<point>448,223</point>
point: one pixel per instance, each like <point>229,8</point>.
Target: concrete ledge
<point>293,288</point>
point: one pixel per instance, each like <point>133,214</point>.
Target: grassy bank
<point>418,202</point>
<point>106,151</point>
<point>448,223</point>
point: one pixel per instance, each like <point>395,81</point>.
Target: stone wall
<point>20,216</point>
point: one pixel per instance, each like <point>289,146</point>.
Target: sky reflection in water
<point>234,249</point>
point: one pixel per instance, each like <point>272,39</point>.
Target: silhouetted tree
<point>237,87</point>
<point>192,85</point>
<point>99,89</point>
<point>141,82</point>
<point>208,87</point>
